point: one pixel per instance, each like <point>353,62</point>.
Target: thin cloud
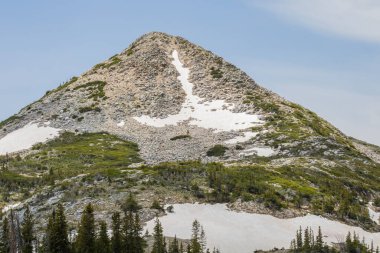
<point>355,19</point>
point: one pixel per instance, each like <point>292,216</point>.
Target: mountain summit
<point>177,101</point>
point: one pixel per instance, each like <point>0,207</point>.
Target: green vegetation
<point>179,137</point>
<point>8,120</point>
<point>156,205</point>
<point>71,154</point>
<point>88,109</point>
<point>65,85</point>
<point>113,61</point>
<point>91,235</point>
<point>291,123</point>
<point>306,242</point>
<point>376,202</point>
<point>129,52</point>
<point>336,191</point>
<point>95,88</point>
<point>217,150</point>
<point>216,73</point>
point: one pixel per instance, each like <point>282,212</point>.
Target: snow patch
<point>26,137</point>
<point>121,123</point>
<point>10,207</point>
<point>260,151</point>
<point>375,216</point>
<point>238,139</point>
<point>244,232</point>
<point>214,114</point>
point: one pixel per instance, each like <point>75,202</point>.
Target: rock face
<point>142,81</point>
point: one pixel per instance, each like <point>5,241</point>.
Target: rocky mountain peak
<point>178,101</point>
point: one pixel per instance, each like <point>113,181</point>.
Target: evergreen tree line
<point>126,236</point>
<point>93,237</point>
<point>306,242</point>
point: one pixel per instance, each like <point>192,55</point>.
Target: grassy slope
<point>65,157</point>
<point>339,188</point>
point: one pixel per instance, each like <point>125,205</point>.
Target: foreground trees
<point>125,236</point>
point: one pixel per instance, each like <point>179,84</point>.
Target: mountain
<point>169,120</point>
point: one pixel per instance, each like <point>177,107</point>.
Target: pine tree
<point>196,238</point>
<point>116,243</point>
<point>348,241</point>
<point>299,242</point>
<point>49,241</point>
<point>293,246</point>
<point>86,233</point>
<point>27,232</point>
<point>4,240</point>
<point>130,204</point>
<point>174,247</point>
<point>102,241</point>
<point>14,233</point>
<point>159,240</point>
<point>319,241</point>
<point>139,243</point>
<point>202,240</point>
<point>127,233</point>
<point>56,240</point>
<point>306,242</point>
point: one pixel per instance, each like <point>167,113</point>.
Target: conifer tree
<point>130,204</point>
<point>127,234</point>
<point>159,240</point>
<point>174,246</point>
<point>14,233</point>
<point>27,232</point>
<point>102,241</point>
<point>202,240</point>
<point>293,247</point>
<point>306,242</point>
<point>139,242</point>
<point>116,233</point>
<point>4,240</point>
<point>348,242</point>
<point>195,243</point>
<point>56,240</point>
<point>319,241</point>
<point>86,233</point>
<point>299,242</point>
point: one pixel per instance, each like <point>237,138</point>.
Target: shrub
<point>216,73</point>
<point>178,137</point>
<point>376,202</point>
<point>217,150</point>
<point>130,204</point>
<point>170,209</point>
<point>89,109</point>
<point>156,205</point>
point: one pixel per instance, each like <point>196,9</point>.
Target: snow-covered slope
<point>26,137</point>
<point>244,232</point>
<point>214,114</point>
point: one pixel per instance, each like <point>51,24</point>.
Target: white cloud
<point>356,19</point>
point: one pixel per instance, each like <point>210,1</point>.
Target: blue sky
<point>323,54</point>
